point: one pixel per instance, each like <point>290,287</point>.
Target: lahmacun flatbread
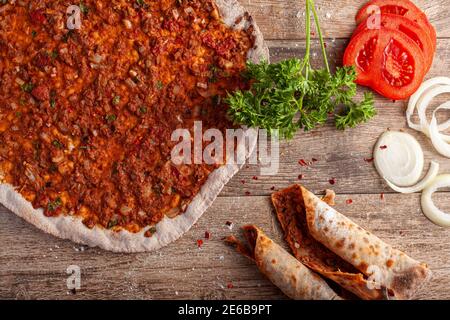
<point>400,275</point>
<point>287,273</point>
<point>86,115</point>
<point>324,242</point>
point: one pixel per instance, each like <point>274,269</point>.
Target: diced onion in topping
<point>96,58</point>
<point>429,209</point>
<point>189,10</point>
<point>438,140</point>
<point>431,175</point>
<point>399,158</point>
<point>127,23</point>
<point>176,14</point>
<point>202,85</point>
<point>125,210</point>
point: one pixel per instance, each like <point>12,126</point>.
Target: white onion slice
<point>422,108</point>
<point>431,175</point>
<point>429,209</point>
<point>413,101</point>
<point>439,143</point>
<point>399,158</point>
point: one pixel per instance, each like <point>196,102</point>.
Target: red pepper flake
<point>199,243</point>
<point>349,201</point>
<point>300,177</point>
<point>313,33</point>
<point>255,178</point>
<point>332,181</point>
<point>230,286</point>
<point>383,147</point>
<point>369,160</point>
<point>382,196</point>
<point>243,181</point>
<point>207,235</point>
<point>228,223</point>
<point>302,162</point>
<point>273,188</point>
<point>314,160</point>
<point>247,193</point>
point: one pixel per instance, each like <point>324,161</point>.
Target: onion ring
<point>429,209</point>
<point>431,175</point>
<point>439,143</point>
<point>423,90</point>
<point>423,105</point>
<point>399,158</point>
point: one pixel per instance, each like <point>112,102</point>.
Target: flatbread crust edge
<point>168,230</point>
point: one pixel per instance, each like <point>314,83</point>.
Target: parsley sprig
<point>291,95</point>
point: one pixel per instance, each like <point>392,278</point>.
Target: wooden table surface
<point>33,264</point>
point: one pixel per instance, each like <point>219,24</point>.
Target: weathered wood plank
<point>337,19</point>
<point>33,264</point>
<point>341,154</point>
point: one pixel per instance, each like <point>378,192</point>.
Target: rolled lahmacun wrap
<point>399,274</point>
<point>287,273</point>
<point>290,211</point>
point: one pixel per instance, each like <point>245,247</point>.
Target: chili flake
<point>207,235</point>
<point>332,181</point>
<point>349,201</point>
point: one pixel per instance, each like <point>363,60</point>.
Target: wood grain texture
<point>337,17</point>
<point>340,154</point>
<point>33,265</point>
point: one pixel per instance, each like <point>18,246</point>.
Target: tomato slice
<point>402,8</point>
<point>408,27</point>
<point>388,61</point>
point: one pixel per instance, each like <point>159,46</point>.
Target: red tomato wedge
<point>398,7</point>
<point>406,26</point>
<point>388,61</point>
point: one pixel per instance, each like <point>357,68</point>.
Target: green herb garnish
<point>159,85</point>
<point>291,95</point>
<point>57,144</point>
<point>66,36</point>
<point>116,100</point>
<point>111,117</point>
<point>54,54</point>
<point>143,110</point>
<point>83,8</point>
<point>54,205</point>
<point>112,223</point>
<point>27,87</point>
